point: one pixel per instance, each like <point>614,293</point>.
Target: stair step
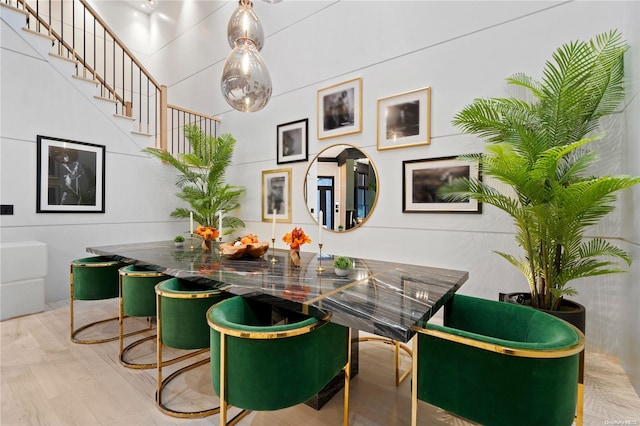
<point>135,132</point>
<point>88,80</point>
<point>64,58</point>
<point>124,116</point>
<point>102,98</point>
<point>107,105</point>
<point>16,18</point>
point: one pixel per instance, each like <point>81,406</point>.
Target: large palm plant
<point>539,150</point>
<point>201,178</point>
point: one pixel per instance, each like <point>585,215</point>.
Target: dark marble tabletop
<point>383,298</point>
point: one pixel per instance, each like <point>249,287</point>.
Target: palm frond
<point>539,149</point>
<point>201,177</point>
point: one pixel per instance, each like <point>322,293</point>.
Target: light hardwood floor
<point>47,380</point>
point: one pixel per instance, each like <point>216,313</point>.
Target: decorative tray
<point>232,251</point>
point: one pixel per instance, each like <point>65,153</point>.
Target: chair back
<point>95,278</point>
<point>182,307</point>
<point>138,290</point>
<point>498,363</point>
<point>272,358</point>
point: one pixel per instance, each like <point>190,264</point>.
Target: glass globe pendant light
<point>246,83</point>
<point>244,23</point>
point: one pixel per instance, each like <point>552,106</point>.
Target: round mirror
<point>341,186</point>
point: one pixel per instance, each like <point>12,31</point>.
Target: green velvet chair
<point>92,278</point>
<point>264,358</point>
<point>137,299</point>
<point>498,363</point>
<point>182,324</point>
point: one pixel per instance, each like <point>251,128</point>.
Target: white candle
<point>191,222</point>
<point>273,224</point>
<point>220,222</point>
<point>320,227</point>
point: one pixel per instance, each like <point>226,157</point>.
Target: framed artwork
<point>70,176</point>
<point>404,120</point>
<point>340,109</point>
<point>421,180</point>
<point>293,141</point>
<point>276,195</point>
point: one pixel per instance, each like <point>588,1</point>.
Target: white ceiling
<point>145,6</point>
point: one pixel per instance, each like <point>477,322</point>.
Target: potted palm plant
<point>539,150</point>
<point>201,178</point>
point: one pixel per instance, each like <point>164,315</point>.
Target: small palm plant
<point>539,150</point>
<point>201,178</point>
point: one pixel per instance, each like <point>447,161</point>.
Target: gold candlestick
<point>273,249</point>
<point>320,268</point>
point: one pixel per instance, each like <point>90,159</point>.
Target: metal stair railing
<point>77,33</point>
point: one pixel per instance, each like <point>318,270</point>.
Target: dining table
<point>380,297</point>
<point>383,298</point>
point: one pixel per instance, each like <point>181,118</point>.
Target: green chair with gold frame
<point>181,307</point>
<point>499,363</point>
<point>93,278</point>
<point>266,358</point>
<point>137,299</point>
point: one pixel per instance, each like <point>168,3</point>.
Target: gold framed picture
<point>340,109</point>
<point>276,195</point>
<point>404,120</point>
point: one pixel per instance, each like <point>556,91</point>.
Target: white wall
<point>37,99</point>
<point>463,50</point>
<point>629,349</point>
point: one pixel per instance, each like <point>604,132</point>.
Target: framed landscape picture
<point>70,176</point>
<point>421,180</point>
<point>276,195</point>
<point>340,109</point>
<point>293,141</point>
<point>404,120</point>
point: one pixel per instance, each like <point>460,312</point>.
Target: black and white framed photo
<point>340,109</point>
<point>276,195</point>
<point>293,141</point>
<point>404,120</point>
<point>70,176</point>
<point>421,180</point>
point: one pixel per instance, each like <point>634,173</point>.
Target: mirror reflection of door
<point>342,182</point>
<point>326,199</point>
<point>361,193</point>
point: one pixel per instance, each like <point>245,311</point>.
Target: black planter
<point>572,312</point>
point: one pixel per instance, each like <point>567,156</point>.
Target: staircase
<point>78,43</point>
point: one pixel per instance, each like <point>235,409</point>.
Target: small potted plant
<point>341,265</point>
<point>340,228</point>
<point>178,241</point>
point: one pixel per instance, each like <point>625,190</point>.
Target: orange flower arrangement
<point>207,232</point>
<point>248,239</point>
<point>296,238</point>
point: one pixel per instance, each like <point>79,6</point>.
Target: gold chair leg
<point>580,402</point>
<point>123,350</point>
<point>74,332</point>
<point>414,383</point>
<point>397,346</point>
<point>223,380</point>
<point>347,381</point>
<point>162,383</point>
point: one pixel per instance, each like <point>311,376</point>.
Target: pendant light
<point>244,23</point>
<point>246,83</point>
